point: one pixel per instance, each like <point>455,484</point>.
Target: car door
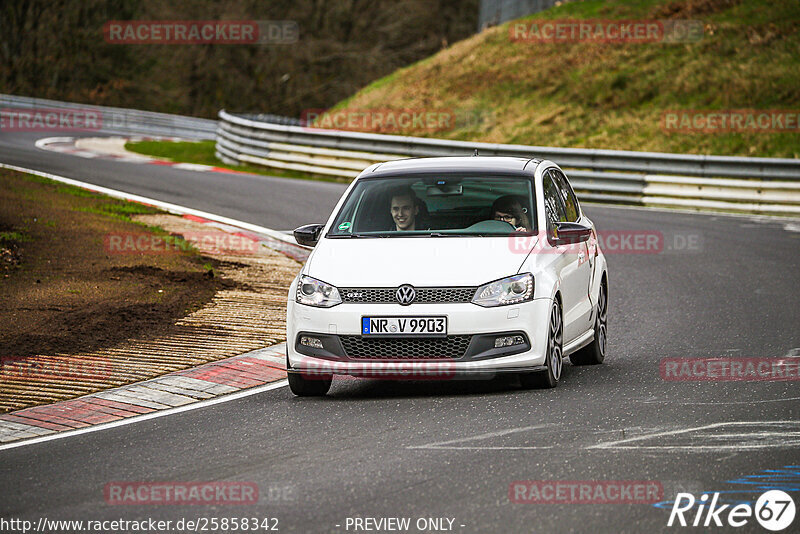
<point>574,214</point>
<point>573,265</point>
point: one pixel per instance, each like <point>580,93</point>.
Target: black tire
<point>555,352</point>
<point>595,352</point>
<point>309,386</point>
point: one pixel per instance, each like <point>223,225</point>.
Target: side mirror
<point>568,233</point>
<point>308,234</point>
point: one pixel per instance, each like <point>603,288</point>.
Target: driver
<point>507,208</point>
<point>404,208</point>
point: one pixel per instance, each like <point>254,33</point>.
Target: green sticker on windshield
<point>344,226</point>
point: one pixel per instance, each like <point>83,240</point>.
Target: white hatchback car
<point>449,267</point>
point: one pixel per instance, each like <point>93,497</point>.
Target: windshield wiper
<point>427,234</point>
<point>335,236</point>
<point>415,234</point>
<point>458,234</point>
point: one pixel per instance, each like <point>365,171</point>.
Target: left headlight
<point>511,290</point>
<point>313,292</point>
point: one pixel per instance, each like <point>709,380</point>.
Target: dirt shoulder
<point>65,291</point>
<point>80,311</point>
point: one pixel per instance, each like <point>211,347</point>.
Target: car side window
<point>571,208</point>
<point>553,204</point>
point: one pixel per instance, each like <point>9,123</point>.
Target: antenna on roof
<point>475,153</point>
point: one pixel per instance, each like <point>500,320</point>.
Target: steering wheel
<point>492,225</point>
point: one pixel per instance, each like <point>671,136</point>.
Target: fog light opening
<point>508,341</point>
<point>312,342</point>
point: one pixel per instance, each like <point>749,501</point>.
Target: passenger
<point>404,208</point>
<point>507,208</point>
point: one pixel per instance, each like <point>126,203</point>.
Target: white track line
<point>147,416</point>
<point>623,443</point>
<point>451,444</point>
<point>42,143</point>
<point>166,206</point>
<point>719,403</point>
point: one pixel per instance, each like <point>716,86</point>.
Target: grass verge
<point>63,290</point>
<point>202,152</point>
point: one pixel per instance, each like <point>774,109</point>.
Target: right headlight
<point>511,290</point>
<point>313,292</point>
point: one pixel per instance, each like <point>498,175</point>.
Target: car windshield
<point>440,205</point>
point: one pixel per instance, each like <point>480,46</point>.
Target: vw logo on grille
<point>405,294</point>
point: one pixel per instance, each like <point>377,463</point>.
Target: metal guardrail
<point>493,12</point>
<point>752,185</point>
<point>119,120</point>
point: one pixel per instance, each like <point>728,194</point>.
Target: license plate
<point>404,326</point>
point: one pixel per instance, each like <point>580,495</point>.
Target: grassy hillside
<point>613,95</point>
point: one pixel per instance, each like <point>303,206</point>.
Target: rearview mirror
<point>567,233</point>
<point>444,190</point>
<point>308,234</point>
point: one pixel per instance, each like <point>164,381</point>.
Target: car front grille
<point>439,348</point>
<point>424,295</point>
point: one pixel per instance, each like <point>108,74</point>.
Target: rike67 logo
<point>774,510</point>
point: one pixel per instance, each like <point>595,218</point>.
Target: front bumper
<point>481,325</point>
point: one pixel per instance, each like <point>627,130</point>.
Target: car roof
<point>502,164</point>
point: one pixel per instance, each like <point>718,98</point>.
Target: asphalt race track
<point>272,202</point>
<point>727,288</point>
